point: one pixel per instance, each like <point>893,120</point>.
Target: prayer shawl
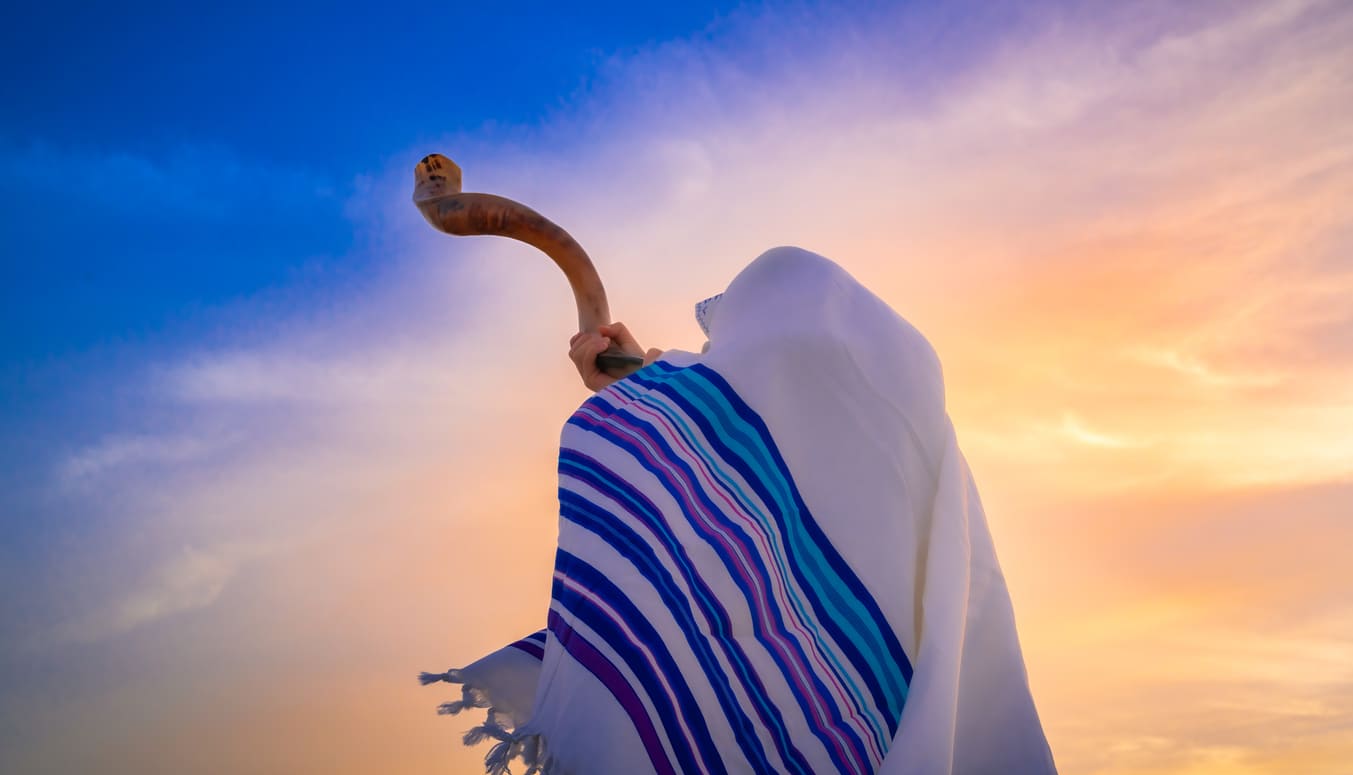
<point>772,558</point>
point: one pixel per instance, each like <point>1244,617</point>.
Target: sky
<point>269,445</point>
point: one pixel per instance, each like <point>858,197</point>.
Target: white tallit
<point>772,558</point>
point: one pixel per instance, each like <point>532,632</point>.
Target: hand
<point>585,346</point>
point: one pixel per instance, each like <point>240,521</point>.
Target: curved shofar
<point>437,194</point>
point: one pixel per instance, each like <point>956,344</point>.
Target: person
<point>772,558</point>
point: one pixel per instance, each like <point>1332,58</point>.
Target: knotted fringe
<point>450,676</point>
<point>511,745</point>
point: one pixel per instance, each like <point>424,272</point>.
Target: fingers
<point>622,336</point>
<point>583,351</point>
<point>584,345</point>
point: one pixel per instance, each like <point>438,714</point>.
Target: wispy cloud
<point>117,451</point>
<point>189,580</point>
<point>1206,374</point>
<point>285,376</point>
<point>1076,430</point>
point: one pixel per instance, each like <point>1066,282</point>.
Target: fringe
<point>450,676</point>
<point>511,746</point>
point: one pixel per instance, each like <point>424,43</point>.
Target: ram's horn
<point>437,194</point>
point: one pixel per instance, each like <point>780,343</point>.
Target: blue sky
<point>167,169</point>
<point>161,163</point>
<point>216,145</point>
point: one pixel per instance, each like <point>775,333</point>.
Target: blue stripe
<point>821,590</point>
<point>836,594</point>
<point>863,707</point>
<point>672,708</point>
<point>631,545</point>
<point>760,624</point>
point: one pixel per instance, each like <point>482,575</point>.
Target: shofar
<point>437,194</point>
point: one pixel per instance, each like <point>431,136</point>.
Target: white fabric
<point>853,398</point>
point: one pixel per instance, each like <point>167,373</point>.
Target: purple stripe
<point>794,631</point>
<point>589,657</point>
<point>530,647</point>
<point>793,665</point>
<point>779,579</point>
<point>702,598</point>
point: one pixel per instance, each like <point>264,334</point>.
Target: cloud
<point>283,376</point>
<point>118,451</point>
<point>190,580</point>
<point>1206,374</point>
<point>1230,698</point>
<point>1075,430</point>
<point>107,246</point>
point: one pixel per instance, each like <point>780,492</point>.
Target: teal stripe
<point>861,699</point>
<point>746,442</point>
<point>754,448</point>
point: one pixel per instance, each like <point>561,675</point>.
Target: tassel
<point>498,758</point>
<point>470,697</point>
<point>530,749</point>
<point>486,730</point>
<point>475,736</point>
<point>450,676</point>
